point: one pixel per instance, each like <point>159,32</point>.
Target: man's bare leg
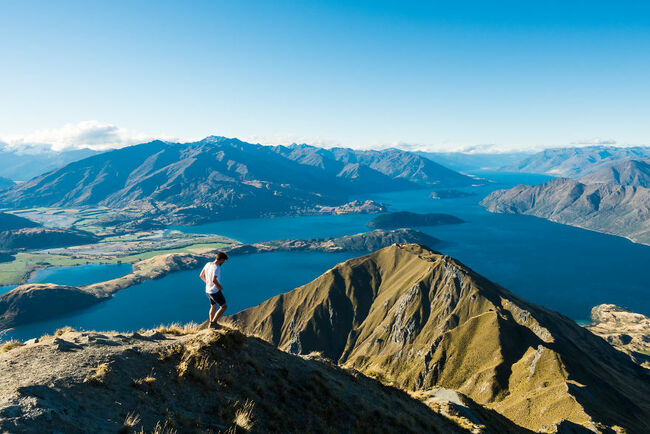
<point>220,312</point>
<point>213,308</point>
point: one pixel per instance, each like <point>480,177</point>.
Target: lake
<point>76,275</point>
<point>180,297</point>
<point>566,269</point>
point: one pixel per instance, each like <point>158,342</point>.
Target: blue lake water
<point>566,269</point>
<point>81,274</point>
<point>180,297</point>
<point>6,288</point>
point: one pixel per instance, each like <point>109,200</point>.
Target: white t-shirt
<point>211,271</point>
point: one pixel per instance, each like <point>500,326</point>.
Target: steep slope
<point>614,209</point>
<point>422,320</point>
<point>576,162</point>
<point>628,172</point>
<point>188,381</point>
<point>392,163</point>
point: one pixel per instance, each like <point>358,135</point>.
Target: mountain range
<point>26,164</point>
<point>420,321</point>
<point>220,178</point>
<point>577,161</point>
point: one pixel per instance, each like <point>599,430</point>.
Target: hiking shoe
<point>214,325</point>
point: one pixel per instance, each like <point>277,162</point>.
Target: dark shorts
<point>217,298</point>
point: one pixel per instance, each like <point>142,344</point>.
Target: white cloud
<point>594,142</point>
<point>92,134</point>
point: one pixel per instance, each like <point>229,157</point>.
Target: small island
<point>450,194</point>
<point>405,219</point>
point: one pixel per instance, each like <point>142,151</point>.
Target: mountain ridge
<point>220,178</point>
<point>422,320</point>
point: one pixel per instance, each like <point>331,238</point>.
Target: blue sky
<point>376,73</point>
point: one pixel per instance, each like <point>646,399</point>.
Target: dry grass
<point>146,381</point>
<point>99,375</point>
<point>244,416</point>
<point>178,329</point>
<point>132,419</point>
<point>10,345</point>
<point>63,330</point>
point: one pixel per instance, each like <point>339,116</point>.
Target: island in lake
<point>404,219</point>
<point>450,194</point>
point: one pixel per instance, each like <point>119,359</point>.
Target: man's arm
<point>202,275</point>
<point>216,282</point>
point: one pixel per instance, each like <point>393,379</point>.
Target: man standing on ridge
<point>211,275</point>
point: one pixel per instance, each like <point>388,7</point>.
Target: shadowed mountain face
<point>219,178</point>
<point>629,172</point>
<point>10,222</point>
<point>423,320</point>
<point>576,162</point>
<point>615,209</point>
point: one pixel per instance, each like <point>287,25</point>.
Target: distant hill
<point>25,165</point>
<point>615,209</point>
<point>10,222</point>
<point>395,164</point>
<point>576,162</point>
<point>5,183</point>
<point>475,161</point>
<point>628,172</point>
<point>219,178</point>
<point>420,320</point>
<point>42,238</point>
<point>406,219</point>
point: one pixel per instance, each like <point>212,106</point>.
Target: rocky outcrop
<point>178,379</point>
<point>421,320</point>
<point>613,209</point>
<point>625,330</point>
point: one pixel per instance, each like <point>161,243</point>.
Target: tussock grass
<point>178,329</point>
<point>98,377</point>
<point>244,415</point>
<point>132,419</point>
<point>10,345</point>
<point>146,381</point>
<point>63,330</point>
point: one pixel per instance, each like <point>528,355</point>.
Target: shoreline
<point>24,303</point>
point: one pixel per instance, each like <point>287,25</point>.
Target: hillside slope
<point>186,381</point>
<point>577,161</point>
<point>629,172</point>
<point>422,320</point>
<point>615,209</point>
